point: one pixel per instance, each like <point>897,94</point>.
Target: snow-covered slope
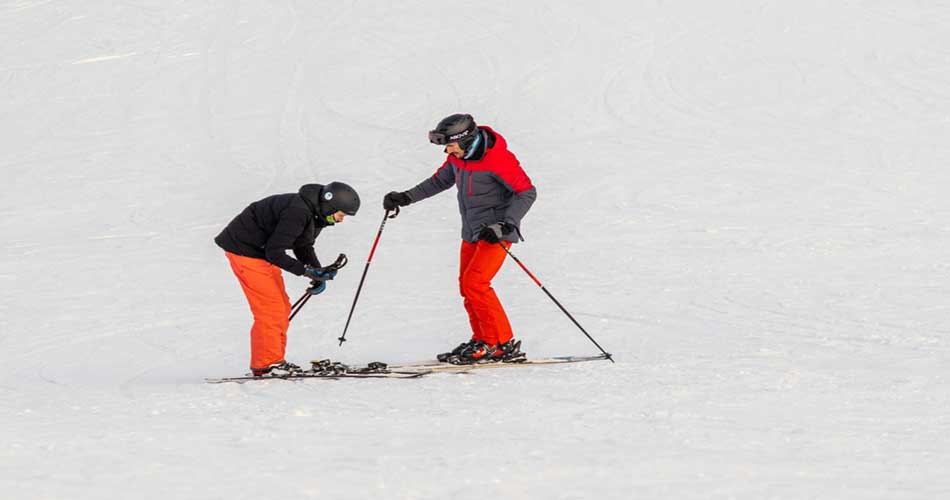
<point>745,203</point>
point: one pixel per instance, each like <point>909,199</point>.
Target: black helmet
<point>337,196</point>
<point>456,128</point>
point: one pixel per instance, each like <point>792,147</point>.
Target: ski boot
<point>482,352</point>
<point>444,357</point>
<point>279,369</point>
<point>510,352</point>
<point>477,352</point>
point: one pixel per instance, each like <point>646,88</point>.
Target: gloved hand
<point>493,233</point>
<point>317,287</point>
<point>395,199</point>
<point>319,273</point>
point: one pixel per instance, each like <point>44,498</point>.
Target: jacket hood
<point>494,138</point>
<point>493,142</point>
<point>311,196</point>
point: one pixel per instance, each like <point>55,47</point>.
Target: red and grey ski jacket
<point>491,189</point>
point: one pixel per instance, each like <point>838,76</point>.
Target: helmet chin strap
<point>330,219</point>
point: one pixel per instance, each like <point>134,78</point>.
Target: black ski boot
<point>476,352</point>
<point>481,352</point>
<point>510,352</point>
<point>445,356</point>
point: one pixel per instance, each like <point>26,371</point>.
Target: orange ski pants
<point>263,286</point>
<point>480,263</point>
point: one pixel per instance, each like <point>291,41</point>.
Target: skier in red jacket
<point>494,194</point>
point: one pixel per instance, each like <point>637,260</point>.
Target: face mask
<point>324,219</point>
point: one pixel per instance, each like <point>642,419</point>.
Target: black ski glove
<point>395,199</point>
<point>493,233</point>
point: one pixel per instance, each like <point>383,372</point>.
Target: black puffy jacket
<point>267,228</point>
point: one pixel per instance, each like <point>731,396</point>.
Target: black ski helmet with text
<point>458,128</point>
<point>338,196</point>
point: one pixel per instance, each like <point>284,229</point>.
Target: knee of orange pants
<point>271,318</point>
<point>276,320</point>
<point>473,286</point>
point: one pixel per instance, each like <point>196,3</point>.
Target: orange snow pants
<point>480,262</point>
<point>263,286</point>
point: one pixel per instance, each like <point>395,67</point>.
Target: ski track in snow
<point>745,204</point>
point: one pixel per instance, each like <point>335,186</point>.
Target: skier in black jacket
<point>256,244</point>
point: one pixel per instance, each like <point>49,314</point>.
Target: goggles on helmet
<point>441,138</point>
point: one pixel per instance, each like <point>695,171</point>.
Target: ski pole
<point>340,262</point>
<point>294,309</point>
<point>607,355</point>
<point>303,298</point>
<point>359,288</point>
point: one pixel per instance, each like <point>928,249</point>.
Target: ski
<point>312,375</point>
<point>330,370</point>
<point>433,366</point>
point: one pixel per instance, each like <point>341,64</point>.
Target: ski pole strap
<point>339,263</point>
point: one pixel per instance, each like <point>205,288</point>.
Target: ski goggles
<point>441,138</point>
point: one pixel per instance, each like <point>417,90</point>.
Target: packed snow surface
<point>745,202</point>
